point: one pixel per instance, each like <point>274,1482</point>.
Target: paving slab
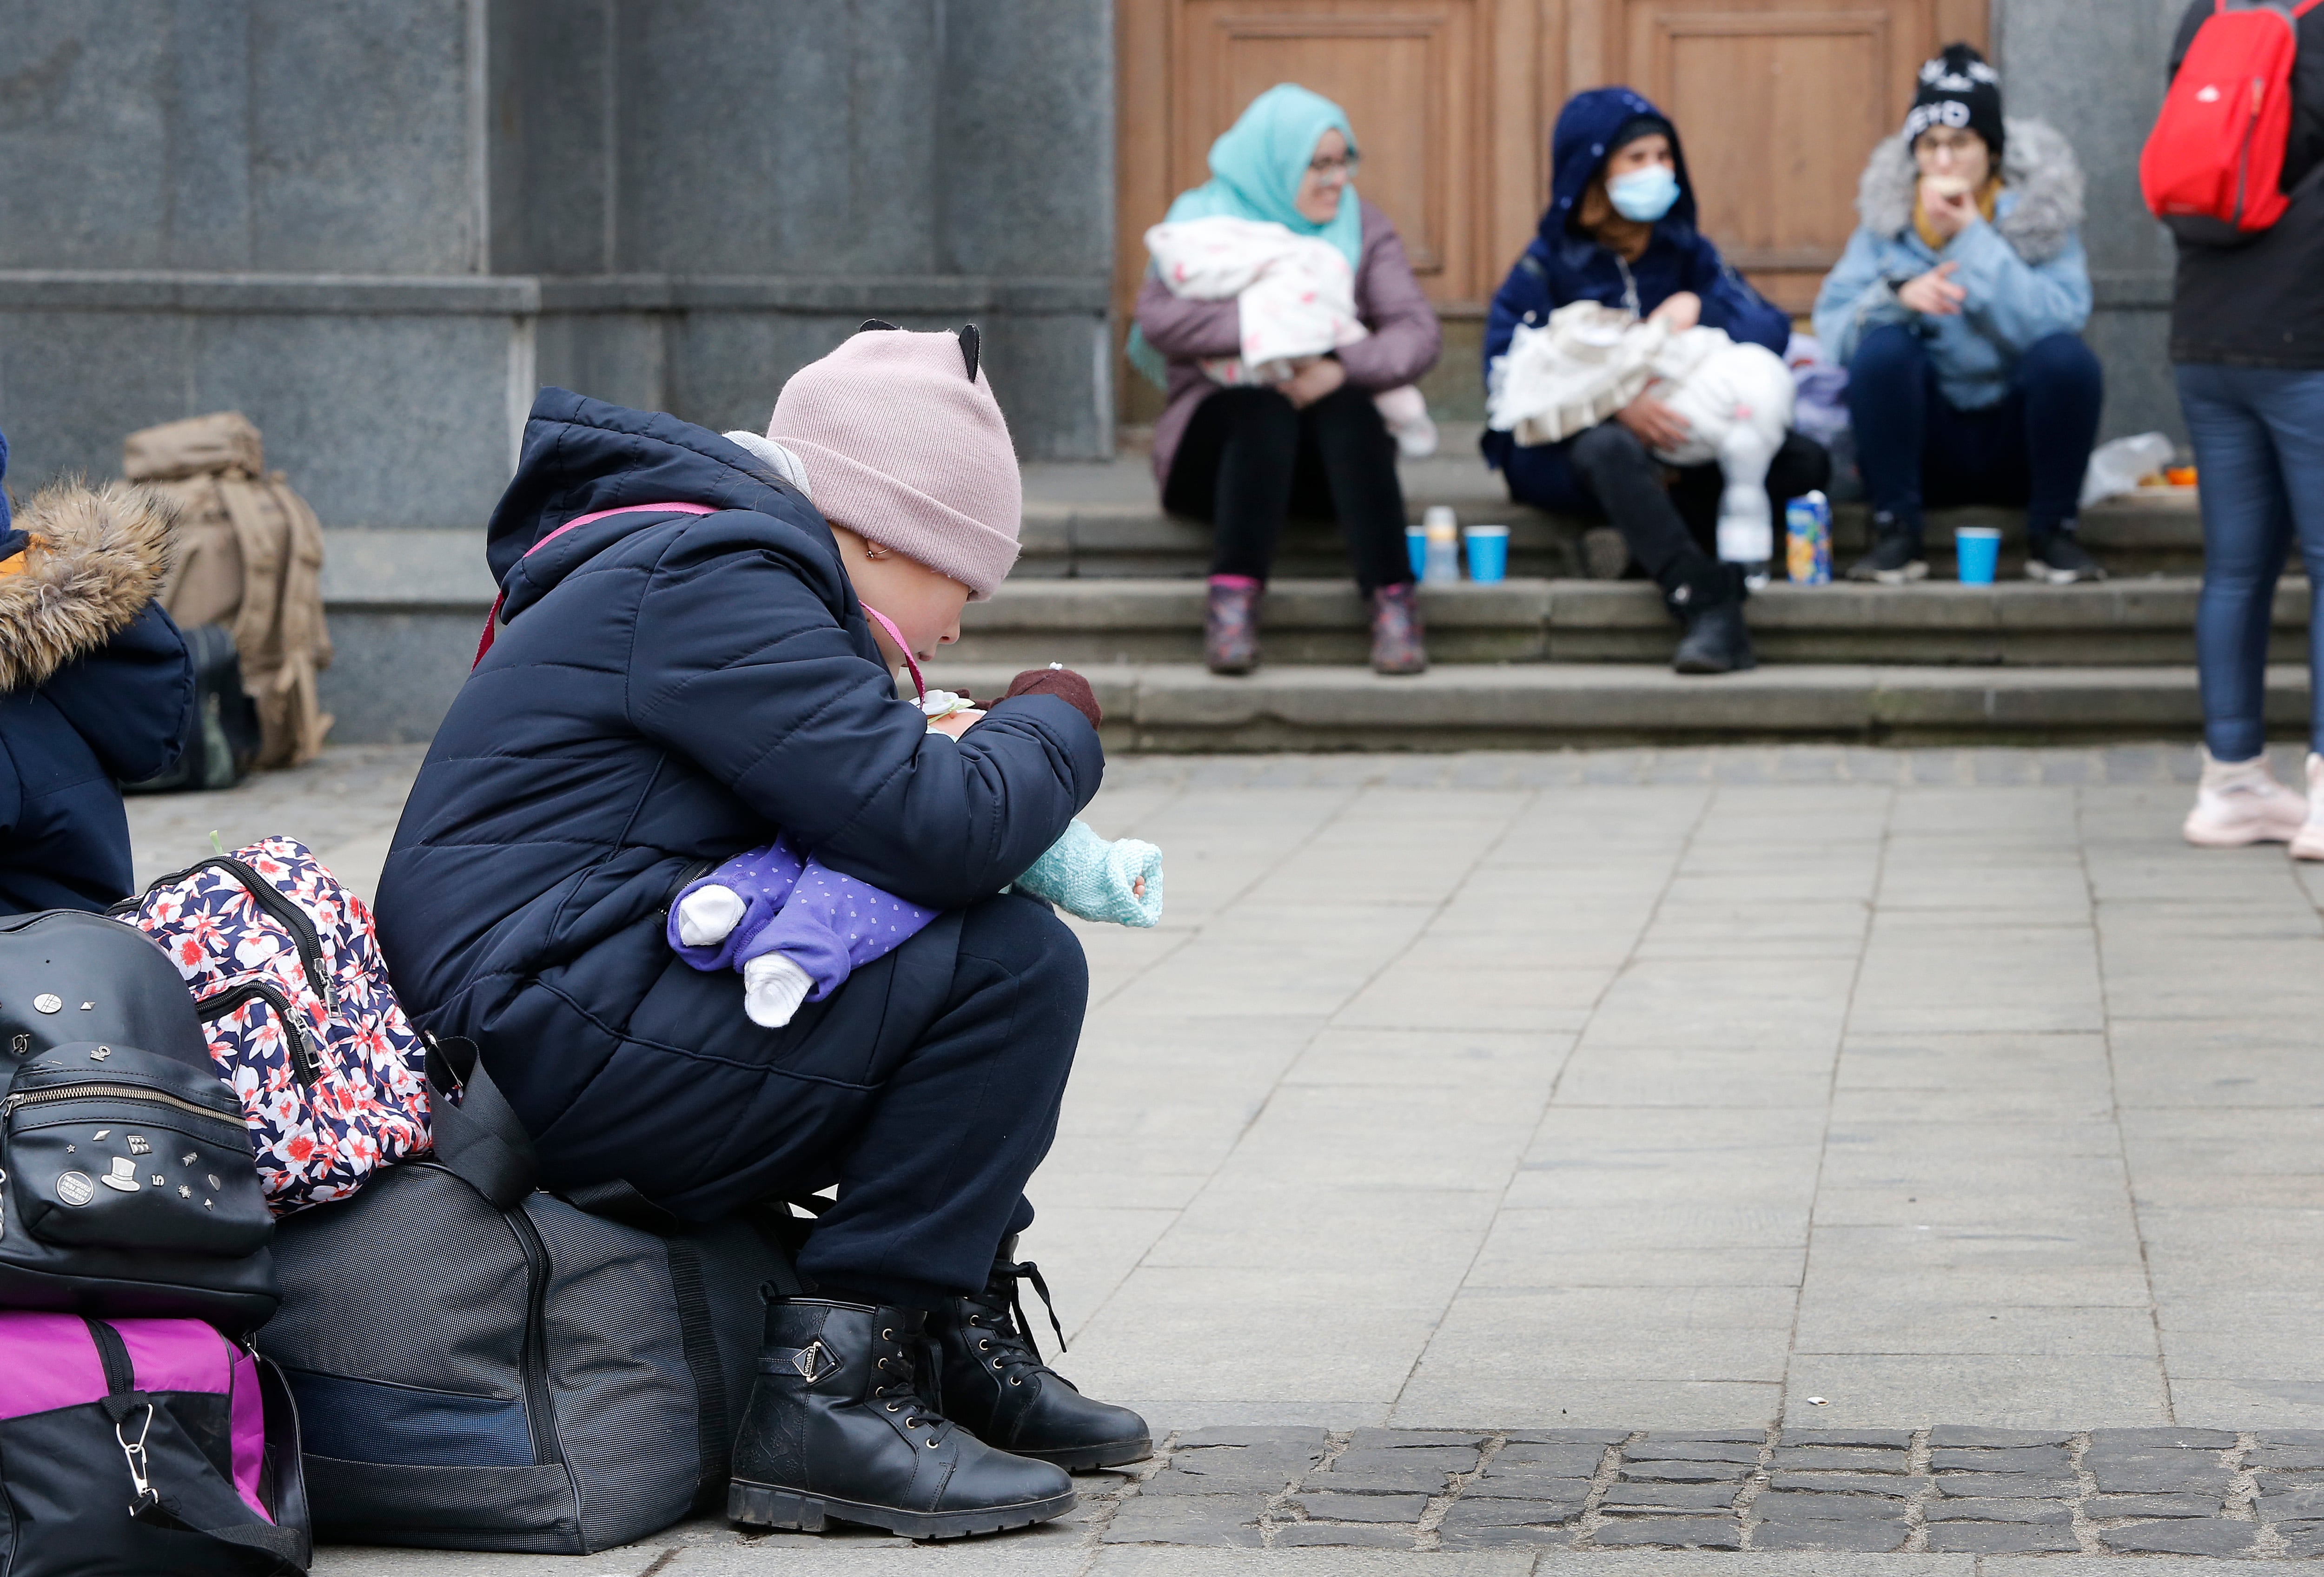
<point>1472,1117</point>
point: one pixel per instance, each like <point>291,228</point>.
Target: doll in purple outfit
<point>796,928</point>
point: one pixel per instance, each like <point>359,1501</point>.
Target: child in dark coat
<point>694,659</point>
<point>94,687</point>
<point>795,928</point>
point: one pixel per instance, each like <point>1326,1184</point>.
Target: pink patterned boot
<point>1395,630</point>
<point>1231,625</point>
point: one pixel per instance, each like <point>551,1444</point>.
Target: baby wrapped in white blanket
<point>1297,298</point>
<point>1590,360</point>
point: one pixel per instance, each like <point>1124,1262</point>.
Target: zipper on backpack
<point>294,920</point>
<point>540,1420</point>
<point>2243,152</point>
<point>305,1065</point>
<point>24,1098</point>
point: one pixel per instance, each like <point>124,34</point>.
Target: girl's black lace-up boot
<point>837,1431</point>
<point>996,1384</point>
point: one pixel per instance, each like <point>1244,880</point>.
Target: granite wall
<point>2095,70</point>
<point>377,226</point>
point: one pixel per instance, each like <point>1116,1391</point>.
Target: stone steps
<point>2017,624</point>
<point>1101,522</point>
<point>1164,706</point>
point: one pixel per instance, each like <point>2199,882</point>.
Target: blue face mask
<point>1644,194</point>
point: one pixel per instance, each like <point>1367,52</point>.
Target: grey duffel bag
<point>480,1365</point>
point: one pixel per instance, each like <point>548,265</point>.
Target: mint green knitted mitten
<point>1086,876</point>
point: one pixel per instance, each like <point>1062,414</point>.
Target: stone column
<point>2095,70</point>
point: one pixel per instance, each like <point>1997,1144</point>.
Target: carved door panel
<point>1453,102</point>
<point>1778,101</point>
<point>1444,95</point>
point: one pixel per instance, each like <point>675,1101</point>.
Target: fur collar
<point>97,557</point>
<point>2038,169</point>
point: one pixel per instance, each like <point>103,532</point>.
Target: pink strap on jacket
<point>902,645</point>
<point>493,619</point>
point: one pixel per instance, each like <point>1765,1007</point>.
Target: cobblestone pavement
<point>1753,1161</point>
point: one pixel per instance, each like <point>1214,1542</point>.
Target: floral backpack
<point>293,996</point>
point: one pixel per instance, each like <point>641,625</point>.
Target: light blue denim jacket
<point>2025,273</point>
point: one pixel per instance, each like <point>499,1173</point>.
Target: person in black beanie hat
<point>1958,309</point>
<point>1959,89</point>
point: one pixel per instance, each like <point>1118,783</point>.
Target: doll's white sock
<point>708,913</point>
<point>773,987</point>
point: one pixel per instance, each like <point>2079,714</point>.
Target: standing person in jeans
<point>1957,310</point>
<point>1244,459</point>
<point>1620,229</point>
<point>2247,343</point>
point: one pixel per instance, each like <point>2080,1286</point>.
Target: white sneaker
<point>2309,843</point>
<point>2240,802</point>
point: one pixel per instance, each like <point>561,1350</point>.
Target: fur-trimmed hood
<point>2038,171</point>
<point>96,558</point>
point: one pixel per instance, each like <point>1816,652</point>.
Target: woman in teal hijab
<point>1259,165</point>
<point>1245,457</point>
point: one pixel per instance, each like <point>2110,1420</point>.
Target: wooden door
<point>1452,101</point>
<point>1777,102</point>
<point>1444,96</point>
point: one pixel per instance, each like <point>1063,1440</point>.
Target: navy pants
<point>1916,448</point>
<point>2259,453</point>
<point>1669,517</point>
<point>927,1087</point>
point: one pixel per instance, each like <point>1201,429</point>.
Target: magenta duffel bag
<point>130,1448</point>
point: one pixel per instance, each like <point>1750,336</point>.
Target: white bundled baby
<point>1296,298</point>
<point>1589,361</point>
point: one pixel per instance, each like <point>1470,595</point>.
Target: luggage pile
<point>248,588</point>
<point>275,1265</point>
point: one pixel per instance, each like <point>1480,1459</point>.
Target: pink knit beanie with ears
<point>905,446</point>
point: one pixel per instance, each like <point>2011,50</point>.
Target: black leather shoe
<point>995,1382</point>
<point>836,1431</point>
<point>1709,602</point>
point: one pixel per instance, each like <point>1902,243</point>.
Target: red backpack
<point>2213,167</point>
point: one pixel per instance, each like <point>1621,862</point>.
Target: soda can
<point>1807,531</point>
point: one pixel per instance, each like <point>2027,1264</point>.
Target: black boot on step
<point>995,1382</point>
<point>1710,602</point>
<point>836,1431</point>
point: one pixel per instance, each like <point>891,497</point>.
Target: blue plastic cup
<point>1978,550</point>
<point>1416,548</point>
<point>1488,552</point>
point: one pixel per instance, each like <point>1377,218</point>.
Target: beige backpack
<point>249,556</point>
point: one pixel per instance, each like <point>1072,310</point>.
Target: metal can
<point>1807,531</point>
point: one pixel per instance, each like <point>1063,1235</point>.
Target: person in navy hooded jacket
<point>693,653</point>
<point>95,687</point>
<point>1620,230</point>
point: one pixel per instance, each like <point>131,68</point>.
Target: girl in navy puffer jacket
<point>686,668</point>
